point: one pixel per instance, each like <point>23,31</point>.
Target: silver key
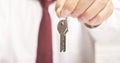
<point>62,29</point>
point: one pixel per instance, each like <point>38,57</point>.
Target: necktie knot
<point>46,3</point>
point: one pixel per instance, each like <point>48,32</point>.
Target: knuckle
<point>71,4</point>
<point>68,6</point>
<point>101,2</point>
<point>88,15</point>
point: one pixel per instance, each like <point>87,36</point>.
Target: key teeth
<point>62,50</point>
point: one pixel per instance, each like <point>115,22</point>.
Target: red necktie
<point>44,50</point>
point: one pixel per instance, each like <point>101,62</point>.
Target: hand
<point>92,12</point>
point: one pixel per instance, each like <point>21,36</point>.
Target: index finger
<point>58,7</point>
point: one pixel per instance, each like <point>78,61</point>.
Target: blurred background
<point>108,52</point>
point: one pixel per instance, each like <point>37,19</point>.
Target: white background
<point>108,52</point>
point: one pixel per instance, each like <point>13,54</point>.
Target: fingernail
<point>65,13</point>
<point>74,14</point>
<point>82,19</point>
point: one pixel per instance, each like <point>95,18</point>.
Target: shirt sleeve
<point>110,29</point>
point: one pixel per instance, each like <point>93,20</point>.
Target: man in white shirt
<point>19,24</point>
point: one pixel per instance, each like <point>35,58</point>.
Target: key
<point>62,29</point>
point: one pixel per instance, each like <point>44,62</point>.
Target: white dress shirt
<point>19,25</point>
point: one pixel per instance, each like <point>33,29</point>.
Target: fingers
<point>59,6</point>
<point>93,10</point>
<point>103,15</point>
<point>66,7</point>
<point>81,7</point>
